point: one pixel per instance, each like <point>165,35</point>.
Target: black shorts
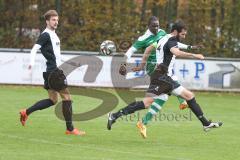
<point>58,80</point>
<point>161,83</point>
<point>45,77</point>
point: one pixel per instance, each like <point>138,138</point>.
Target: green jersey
<point>146,40</point>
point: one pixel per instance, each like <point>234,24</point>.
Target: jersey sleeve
<point>33,53</point>
<point>139,44</point>
<point>130,52</point>
<point>43,39</point>
<point>183,46</point>
<point>172,42</point>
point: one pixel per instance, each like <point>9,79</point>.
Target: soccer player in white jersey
<point>49,44</point>
<point>162,82</point>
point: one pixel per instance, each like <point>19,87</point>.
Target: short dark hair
<point>49,14</point>
<point>153,18</point>
<point>179,26</point>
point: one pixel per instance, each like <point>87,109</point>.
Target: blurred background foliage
<point>84,24</point>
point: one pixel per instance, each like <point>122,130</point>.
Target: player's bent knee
<point>189,95</point>
<point>54,100</point>
<point>66,98</point>
<point>148,101</point>
<point>185,94</point>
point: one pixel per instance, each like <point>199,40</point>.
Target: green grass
<point>43,137</point>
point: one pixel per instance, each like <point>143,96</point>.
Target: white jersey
<point>160,53</point>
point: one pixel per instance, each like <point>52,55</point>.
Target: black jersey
<point>160,81</point>
<point>168,56</point>
<point>50,48</point>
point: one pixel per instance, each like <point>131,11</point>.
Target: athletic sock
<point>154,109</point>
<point>197,111</point>
<point>67,113</point>
<point>131,108</point>
<point>40,105</point>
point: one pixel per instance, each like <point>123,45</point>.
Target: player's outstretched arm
<point>127,56</point>
<point>184,46</point>
<point>179,53</point>
<point>130,52</point>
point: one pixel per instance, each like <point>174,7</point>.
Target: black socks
<point>197,111</point>
<point>42,104</point>
<point>67,113</point>
<point>66,109</point>
<point>131,108</point>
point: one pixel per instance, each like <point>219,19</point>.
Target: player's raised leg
<point>40,105</point>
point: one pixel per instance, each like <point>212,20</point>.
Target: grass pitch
<point>168,139</point>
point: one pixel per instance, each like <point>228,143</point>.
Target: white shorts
<point>178,91</point>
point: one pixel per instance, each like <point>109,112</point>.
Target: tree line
<point>84,24</point>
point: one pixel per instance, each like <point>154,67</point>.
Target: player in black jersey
<point>54,79</point>
<point>161,83</point>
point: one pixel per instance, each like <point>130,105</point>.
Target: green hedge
<point>84,24</point>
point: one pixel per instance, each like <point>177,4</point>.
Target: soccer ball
<point>107,47</point>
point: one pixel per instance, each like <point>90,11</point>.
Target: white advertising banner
<point>102,71</point>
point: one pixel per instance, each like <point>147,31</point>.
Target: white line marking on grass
<point>87,147</point>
